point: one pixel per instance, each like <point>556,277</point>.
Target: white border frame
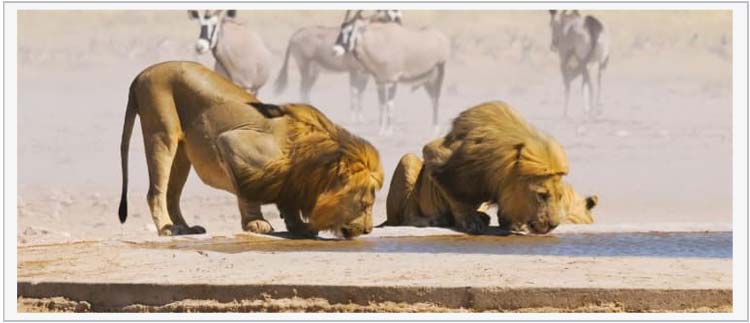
<point>739,155</point>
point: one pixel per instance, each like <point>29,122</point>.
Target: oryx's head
<point>559,22</point>
<point>349,33</point>
<point>210,23</point>
<point>387,16</point>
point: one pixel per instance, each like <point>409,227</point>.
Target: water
<point>651,244</point>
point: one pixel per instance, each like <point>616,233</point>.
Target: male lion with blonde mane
<point>491,155</point>
<point>319,175</point>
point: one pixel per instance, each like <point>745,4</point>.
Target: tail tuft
<point>123,212</point>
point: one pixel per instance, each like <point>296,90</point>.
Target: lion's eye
<point>542,196</point>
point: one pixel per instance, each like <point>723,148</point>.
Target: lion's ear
<point>591,202</point>
<point>268,110</point>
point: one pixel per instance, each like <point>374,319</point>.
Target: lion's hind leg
<point>401,206</point>
<point>160,152</point>
<point>177,178</point>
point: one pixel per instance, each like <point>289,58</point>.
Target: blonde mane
<point>318,156</point>
<point>496,147</point>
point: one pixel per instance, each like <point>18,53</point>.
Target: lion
<point>320,176</point>
<point>491,155</point>
<point>411,173</point>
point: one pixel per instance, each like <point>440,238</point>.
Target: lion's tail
<point>127,130</point>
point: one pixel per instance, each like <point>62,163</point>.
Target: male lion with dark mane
<point>290,155</point>
<point>491,155</point>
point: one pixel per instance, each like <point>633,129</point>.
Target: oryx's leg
<point>221,71</point>
<point>177,178</point>
<point>382,99</point>
<point>244,152</point>
<point>568,75</point>
<point>309,74</point>
<point>567,98</point>
<point>357,82</point>
<point>598,106</point>
<point>587,91</point>
<point>294,223</point>
<point>390,106</point>
<point>433,89</point>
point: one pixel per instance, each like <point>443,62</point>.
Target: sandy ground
<point>199,274</point>
<point>659,158</point>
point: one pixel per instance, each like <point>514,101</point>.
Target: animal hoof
<point>258,226</point>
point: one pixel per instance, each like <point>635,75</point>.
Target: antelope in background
<point>392,53</point>
<point>586,41</point>
<point>241,56</point>
<point>311,49</point>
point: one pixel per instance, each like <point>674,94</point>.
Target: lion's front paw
<point>474,224</point>
<point>197,229</point>
<point>302,231</point>
<point>177,230</point>
<point>258,226</point>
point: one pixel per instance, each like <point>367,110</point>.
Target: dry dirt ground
<point>659,157</point>
<point>296,304</point>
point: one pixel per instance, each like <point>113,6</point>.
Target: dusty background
<point>661,153</point>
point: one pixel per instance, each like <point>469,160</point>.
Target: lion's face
<point>536,202</point>
<point>346,209</point>
<point>356,205</point>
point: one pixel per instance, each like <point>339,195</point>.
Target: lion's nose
<point>368,229</point>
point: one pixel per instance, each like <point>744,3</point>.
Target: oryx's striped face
<point>388,16</point>
<point>209,22</point>
<point>555,25</point>
<point>560,23</point>
<point>347,38</point>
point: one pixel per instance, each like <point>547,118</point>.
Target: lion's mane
<point>319,155</point>
<point>492,150</point>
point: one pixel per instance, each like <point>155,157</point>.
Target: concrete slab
<point>114,274</point>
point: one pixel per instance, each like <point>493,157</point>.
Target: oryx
<point>581,43</point>
<point>240,53</point>
<point>311,49</point>
<point>392,53</point>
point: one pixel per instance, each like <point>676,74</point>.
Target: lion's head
<point>334,173</point>
<point>501,159</point>
<point>345,207</point>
